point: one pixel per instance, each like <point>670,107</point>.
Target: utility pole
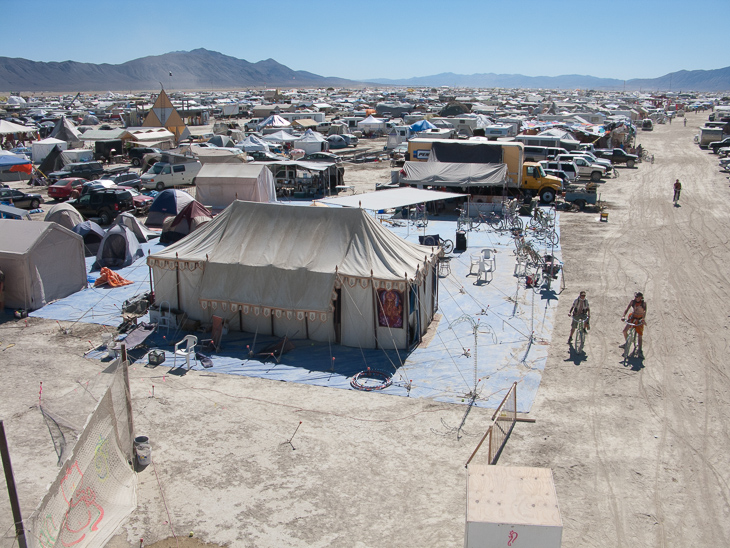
<point>12,491</point>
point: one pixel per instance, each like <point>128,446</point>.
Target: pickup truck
<point>586,170</point>
<point>618,156</point>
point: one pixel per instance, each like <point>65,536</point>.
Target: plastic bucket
<point>143,450</point>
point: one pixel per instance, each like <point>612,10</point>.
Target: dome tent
<point>118,249</point>
<point>65,215</point>
<point>92,234</point>
<point>168,203</point>
<point>142,233</point>
<point>192,217</point>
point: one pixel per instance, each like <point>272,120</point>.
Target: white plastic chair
<point>475,260</point>
<point>490,256</point>
<point>186,348</point>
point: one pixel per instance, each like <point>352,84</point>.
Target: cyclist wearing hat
<point>580,310</point>
<point>637,317</point>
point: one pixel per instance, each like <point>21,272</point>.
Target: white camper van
<point>163,175</point>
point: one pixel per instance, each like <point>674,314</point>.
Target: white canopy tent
<point>253,144</point>
<point>9,128</point>
<point>219,185</point>
<point>388,199</point>
<point>281,137</point>
<point>371,124</point>
<point>326,274</point>
<point>312,142</point>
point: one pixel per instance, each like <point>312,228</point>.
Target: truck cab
<point>537,183</point>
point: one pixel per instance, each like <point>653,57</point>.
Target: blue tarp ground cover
<point>513,327</point>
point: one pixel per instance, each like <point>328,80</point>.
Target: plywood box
<point>511,507</point>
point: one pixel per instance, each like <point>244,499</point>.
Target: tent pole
<point>375,302</point>
<point>177,279</point>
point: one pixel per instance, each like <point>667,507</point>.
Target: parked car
<point>136,154</point>
<point>129,179</point>
<point>20,199</point>
<point>322,157</point>
<point>87,170</point>
<point>63,188</point>
<point>618,156</point>
<point>142,202</point>
<point>104,204</point>
<point>351,139</point>
<point>568,168</point>
<point>717,145</point>
<point>559,173</point>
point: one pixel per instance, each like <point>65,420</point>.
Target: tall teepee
<point>163,114</point>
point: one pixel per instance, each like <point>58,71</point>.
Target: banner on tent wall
<point>390,309</point>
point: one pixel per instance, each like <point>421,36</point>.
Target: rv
<point>709,135</point>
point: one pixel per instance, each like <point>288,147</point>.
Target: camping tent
<point>280,136</point>
<point>168,203</point>
<point>42,262</point>
<point>193,216</point>
<point>221,141</point>
<point>219,185</point>
<point>141,232</point>
<point>92,234</point>
<point>274,121</point>
<point>67,132</point>
<point>422,125</point>
<point>253,144</point>
<point>325,274</point>
<point>42,148</point>
<point>312,142</point>
<point>65,215</point>
<point>118,249</point>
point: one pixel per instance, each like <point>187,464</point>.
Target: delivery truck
<point>521,179</point>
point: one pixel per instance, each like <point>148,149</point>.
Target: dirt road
<point>639,452</point>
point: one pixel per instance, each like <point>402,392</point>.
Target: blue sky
<point>381,39</point>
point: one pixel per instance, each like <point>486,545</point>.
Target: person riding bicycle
<point>638,318</point>
<point>580,310</point>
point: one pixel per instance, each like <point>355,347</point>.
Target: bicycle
<point>446,245</point>
<point>418,216</point>
<point>630,346</point>
<point>580,335</point>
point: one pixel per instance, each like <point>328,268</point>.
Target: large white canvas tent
<point>325,274</point>
<point>312,142</point>
<point>41,261</point>
<point>41,149</point>
<point>219,185</point>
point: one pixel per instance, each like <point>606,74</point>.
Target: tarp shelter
<point>192,217</point>
<point>141,232</point>
<point>253,144</point>
<point>168,203</point>
<point>10,212</point>
<point>371,124</point>
<point>40,149</point>
<point>312,142</point>
<point>209,155</point>
<point>325,274</point>
<point>281,137</point>
<point>453,174</point>
<point>42,262</point>
<point>118,249</point>
<point>65,215</point>
<point>11,162</point>
<point>92,234</point>
<point>421,125</point>
<point>149,137</point>
<point>219,185</point>
<point>9,128</point>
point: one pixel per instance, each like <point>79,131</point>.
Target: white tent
<point>371,124</point>
<point>325,274</point>
<point>312,142</point>
<point>274,121</point>
<point>9,128</point>
<point>41,149</point>
<point>64,214</point>
<point>280,136</point>
<point>219,185</point>
<point>253,144</point>
<point>42,262</point>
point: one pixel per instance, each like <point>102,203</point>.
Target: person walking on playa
<point>677,191</point>
<point>580,310</point>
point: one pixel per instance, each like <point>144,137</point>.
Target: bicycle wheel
<point>553,238</point>
<point>516,223</point>
<point>448,246</point>
<point>630,343</point>
<point>580,338</point>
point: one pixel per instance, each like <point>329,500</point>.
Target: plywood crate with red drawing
<point>511,507</point>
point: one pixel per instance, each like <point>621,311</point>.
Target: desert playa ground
<point>637,450</point>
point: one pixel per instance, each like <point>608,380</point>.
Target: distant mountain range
<point>687,80</point>
<point>190,70</point>
<point>202,69</point>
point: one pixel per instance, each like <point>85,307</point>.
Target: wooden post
<point>12,491</point>
<point>177,279</point>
